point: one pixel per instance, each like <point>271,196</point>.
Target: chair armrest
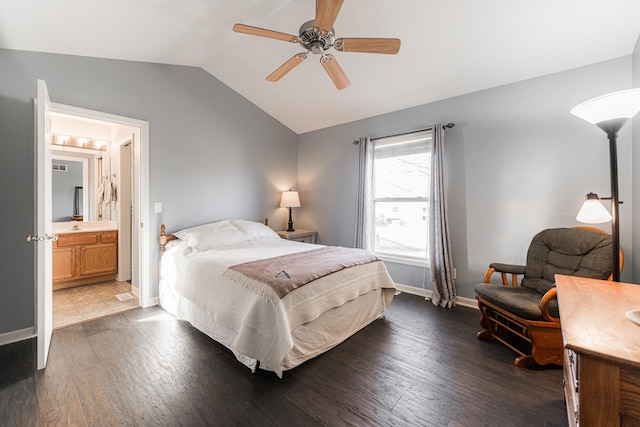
<point>544,305</point>
<point>508,268</point>
<point>505,269</point>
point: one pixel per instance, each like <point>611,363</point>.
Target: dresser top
<point>592,314</point>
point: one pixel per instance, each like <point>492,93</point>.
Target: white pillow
<point>210,236</point>
<point>254,230</point>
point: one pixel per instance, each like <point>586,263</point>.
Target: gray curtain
<point>441,264</point>
<point>365,198</point>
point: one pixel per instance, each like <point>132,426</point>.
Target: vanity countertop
<point>84,227</point>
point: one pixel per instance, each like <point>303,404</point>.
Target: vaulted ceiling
<point>448,47</point>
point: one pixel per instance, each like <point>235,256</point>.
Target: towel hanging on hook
<point>107,191</point>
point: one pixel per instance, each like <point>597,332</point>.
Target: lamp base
<point>290,222</point>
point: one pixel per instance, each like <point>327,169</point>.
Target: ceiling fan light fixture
<point>314,39</point>
<point>317,36</point>
<point>316,47</point>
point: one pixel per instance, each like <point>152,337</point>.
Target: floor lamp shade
<point>592,211</point>
<point>290,200</point>
<point>617,105</point>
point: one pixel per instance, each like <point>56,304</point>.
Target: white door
<point>44,295</point>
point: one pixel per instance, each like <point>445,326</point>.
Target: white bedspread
<point>254,323</point>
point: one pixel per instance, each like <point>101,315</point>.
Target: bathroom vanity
<point>85,255</point>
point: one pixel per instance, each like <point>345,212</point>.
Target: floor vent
<point>124,297</point>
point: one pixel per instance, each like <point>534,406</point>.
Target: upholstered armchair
<point>524,316</point>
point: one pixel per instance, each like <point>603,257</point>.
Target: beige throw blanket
<point>288,272</point>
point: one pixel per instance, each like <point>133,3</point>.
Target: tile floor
<point>82,303</point>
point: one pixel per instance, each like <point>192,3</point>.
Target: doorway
<point>141,266</point>
<point>80,295</point>
<point>88,155</point>
<point>137,133</point>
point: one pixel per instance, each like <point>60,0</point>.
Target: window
<point>401,171</point>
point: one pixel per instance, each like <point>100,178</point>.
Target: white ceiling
<point>449,47</point>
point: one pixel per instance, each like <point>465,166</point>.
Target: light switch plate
<point>158,207</point>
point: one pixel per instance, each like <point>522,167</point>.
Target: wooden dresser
<point>83,258</point>
<point>602,351</point>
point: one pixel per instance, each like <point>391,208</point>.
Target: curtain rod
<point>448,126</point>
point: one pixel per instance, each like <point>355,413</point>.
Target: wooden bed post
<point>163,238</point>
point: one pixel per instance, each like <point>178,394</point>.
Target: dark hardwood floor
<point>420,366</point>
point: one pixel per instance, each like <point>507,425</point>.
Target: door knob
<point>31,239</point>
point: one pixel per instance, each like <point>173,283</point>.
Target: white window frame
<point>399,140</point>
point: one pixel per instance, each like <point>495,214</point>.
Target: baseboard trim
<point>15,336</point>
<point>426,293</point>
<point>150,302</point>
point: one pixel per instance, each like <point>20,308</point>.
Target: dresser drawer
<point>77,239</point>
<point>109,236</point>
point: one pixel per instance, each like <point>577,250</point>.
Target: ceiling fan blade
<point>286,67</point>
<point>331,66</point>
<point>326,13</point>
<point>261,32</point>
<point>368,45</point>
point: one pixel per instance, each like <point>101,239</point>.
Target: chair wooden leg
<point>484,321</point>
<point>545,338</point>
<point>488,326</point>
<point>484,335</point>
<point>524,361</point>
<point>546,345</point>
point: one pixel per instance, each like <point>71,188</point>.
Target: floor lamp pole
<point>615,226</point>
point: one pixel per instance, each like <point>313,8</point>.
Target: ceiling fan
<point>317,36</point>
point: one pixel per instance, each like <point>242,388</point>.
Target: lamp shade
<point>617,105</point>
<point>290,199</point>
<point>592,211</point>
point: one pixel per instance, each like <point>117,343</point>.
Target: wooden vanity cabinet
<point>83,258</point>
<point>64,264</point>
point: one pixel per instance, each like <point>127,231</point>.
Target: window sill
<point>404,261</point>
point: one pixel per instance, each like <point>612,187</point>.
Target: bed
<point>274,303</point>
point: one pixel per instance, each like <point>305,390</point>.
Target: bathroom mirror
<point>71,187</point>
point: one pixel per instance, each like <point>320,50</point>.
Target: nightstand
<point>300,235</point>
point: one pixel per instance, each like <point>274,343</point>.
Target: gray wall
<point>213,154</point>
<point>517,162</point>
<point>63,186</point>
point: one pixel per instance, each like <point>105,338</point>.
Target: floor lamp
<point>610,113</point>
